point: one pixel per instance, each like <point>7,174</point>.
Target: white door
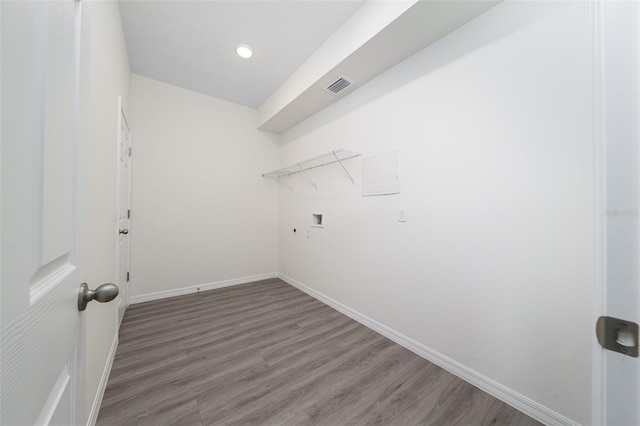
<point>620,130</point>
<point>41,214</point>
<point>124,210</point>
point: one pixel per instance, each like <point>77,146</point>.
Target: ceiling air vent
<point>339,85</point>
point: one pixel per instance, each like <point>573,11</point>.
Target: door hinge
<point>129,214</point>
<point>129,151</point>
<point>127,276</point>
<point>618,335</point>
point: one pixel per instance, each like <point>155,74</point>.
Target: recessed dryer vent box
<point>317,220</point>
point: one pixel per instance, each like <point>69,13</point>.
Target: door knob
<point>124,231</point>
<point>105,293</point>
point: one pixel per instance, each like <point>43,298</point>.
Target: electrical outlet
<point>402,214</point>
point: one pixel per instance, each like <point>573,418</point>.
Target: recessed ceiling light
<point>244,51</point>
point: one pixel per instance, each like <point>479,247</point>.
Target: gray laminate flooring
<point>266,353</point>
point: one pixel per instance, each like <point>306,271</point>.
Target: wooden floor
<point>267,354</point>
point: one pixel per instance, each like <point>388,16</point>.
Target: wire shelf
<point>335,156</point>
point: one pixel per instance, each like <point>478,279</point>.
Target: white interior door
<point>620,80</point>
<point>41,266</point>
<point>124,210</point>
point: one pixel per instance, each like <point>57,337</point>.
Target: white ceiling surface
<point>191,44</point>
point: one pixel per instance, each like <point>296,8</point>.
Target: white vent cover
<point>339,85</point>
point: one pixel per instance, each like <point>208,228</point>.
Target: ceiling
<point>191,44</point>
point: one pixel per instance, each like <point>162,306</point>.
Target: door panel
<point>57,408</point>
<point>124,209</point>
<point>40,274</point>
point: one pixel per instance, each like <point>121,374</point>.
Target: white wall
<point>494,266</point>
<point>108,69</point>
<point>201,212</point>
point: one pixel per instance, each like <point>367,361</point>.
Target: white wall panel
<point>201,210</point>
<point>494,266</point>
<point>106,64</point>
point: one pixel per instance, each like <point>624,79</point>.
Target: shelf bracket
<point>343,168</point>
<point>307,176</point>
<point>286,183</point>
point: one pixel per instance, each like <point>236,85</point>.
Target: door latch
<point>618,335</point>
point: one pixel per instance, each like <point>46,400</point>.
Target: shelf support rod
<point>307,176</point>
<point>286,183</point>
<point>343,168</point>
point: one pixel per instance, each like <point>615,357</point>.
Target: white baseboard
<point>526,405</point>
<point>199,287</point>
<point>102,386</point>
